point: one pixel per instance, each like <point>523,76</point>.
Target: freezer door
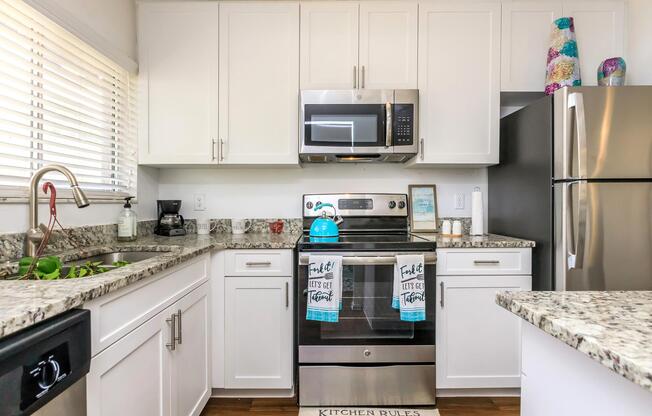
<point>603,132</point>
<point>603,235</point>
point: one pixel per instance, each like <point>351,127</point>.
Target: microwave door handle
<point>388,124</point>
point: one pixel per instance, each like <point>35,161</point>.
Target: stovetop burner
<point>367,242</point>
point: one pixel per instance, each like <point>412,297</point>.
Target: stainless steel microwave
<point>358,125</point>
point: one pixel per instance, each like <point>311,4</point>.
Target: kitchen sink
<point>109,258</point>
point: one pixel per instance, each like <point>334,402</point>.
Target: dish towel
<point>409,294</point>
<point>324,288</point>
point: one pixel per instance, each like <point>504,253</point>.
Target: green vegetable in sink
<point>121,263</point>
<point>47,268</point>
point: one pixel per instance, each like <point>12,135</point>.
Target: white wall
<point>638,54</point>
<point>277,192</point>
<point>107,25</point>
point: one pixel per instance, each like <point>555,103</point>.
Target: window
<point>62,102</point>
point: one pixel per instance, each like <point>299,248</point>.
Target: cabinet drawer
<point>258,263</point>
<point>469,261</point>
<point>119,313</point>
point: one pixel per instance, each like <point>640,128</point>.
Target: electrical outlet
<point>200,202</point>
<point>459,201</point>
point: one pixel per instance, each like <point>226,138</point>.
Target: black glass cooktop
<point>367,242</point>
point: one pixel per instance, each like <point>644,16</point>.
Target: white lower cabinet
<point>478,342</point>
<point>258,332</point>
<point>158,368</point>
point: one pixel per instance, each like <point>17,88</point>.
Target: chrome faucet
<point>34,234</point>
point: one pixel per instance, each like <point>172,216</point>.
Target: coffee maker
<point>170,222</point>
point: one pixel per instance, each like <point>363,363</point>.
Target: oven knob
<point>401,204</point>
<point>392,204</point>
<point>309,205</point>
<point>49,374</point>
<point>366,353</point>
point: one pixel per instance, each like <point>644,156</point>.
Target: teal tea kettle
<point>325,228</point>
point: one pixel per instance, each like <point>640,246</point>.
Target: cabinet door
<point>599,27</point>
<point>478,342</point>
<point>388,45</point>
<point>329,45</point>
<point>178,74</point>
<point>258,332</point>
<point>132,377</point>
<point>191,386</point>
<point>525,35</point>
<point>259,83</point>
<point>459,82</point>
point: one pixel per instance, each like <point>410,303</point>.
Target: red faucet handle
<point>53,197</point>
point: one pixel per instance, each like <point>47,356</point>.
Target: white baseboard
<point>252,393</point>
<point>495,392</point>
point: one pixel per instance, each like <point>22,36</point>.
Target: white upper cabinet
<point>388,45</point>
<point>526,30</point>
<point>178,78</point>
<point>347,45</point>
<point>259,82</point>
<point>459,83</point>
<point>329,45</point>
<point>599,27</point>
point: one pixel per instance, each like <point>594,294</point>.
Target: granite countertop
<point>473,241</point>
<point>613,328</point>
<point>26,302</point>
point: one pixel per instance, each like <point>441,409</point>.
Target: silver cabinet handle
<point>480,262</point>
<point>355,77</point>
<point>258,263</point>
<point>362,81</point>
<point>287,295</point>
<point>214,149</point>
<point>221,150</point>
<point>441,294</point>
<point>179,329</point>
<point>421,154</point>
<point>388,124</point>
<point>576,257</point>
<point>172,321</point>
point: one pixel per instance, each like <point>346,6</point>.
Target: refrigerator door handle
<point>576,102</point>
<point>576,256</point>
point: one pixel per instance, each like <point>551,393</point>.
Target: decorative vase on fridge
<point>563,65</point>
<point>611,72</point>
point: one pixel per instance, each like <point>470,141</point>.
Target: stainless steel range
<point>370,357</point>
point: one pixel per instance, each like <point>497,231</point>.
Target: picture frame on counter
<point>423,208</point>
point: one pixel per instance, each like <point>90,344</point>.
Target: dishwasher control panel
<point>42,361</point>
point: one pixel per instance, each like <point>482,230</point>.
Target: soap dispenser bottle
<point>127,222</point>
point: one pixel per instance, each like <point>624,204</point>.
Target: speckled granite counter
<point>482,241</point>
<point>613,328</point>
<point>23,303</point>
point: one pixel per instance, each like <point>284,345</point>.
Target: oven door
<point>346,122</point>
<point>369,329</point>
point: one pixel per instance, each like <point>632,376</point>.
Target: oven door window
<point>344,125</point>
<point>367,316</point>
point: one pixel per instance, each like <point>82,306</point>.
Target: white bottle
<point>127,222</point>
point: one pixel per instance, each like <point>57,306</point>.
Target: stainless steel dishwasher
<point>43,368</point>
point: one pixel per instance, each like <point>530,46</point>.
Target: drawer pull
<point>172,321</point>
<point>258,263</point>
<point>483,262</point>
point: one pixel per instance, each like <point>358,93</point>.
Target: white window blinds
<point>62,102</point>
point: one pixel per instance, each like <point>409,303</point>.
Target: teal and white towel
<point>409,291</point>
<point>324,288</point>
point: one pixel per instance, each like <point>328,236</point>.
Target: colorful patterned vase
<point>611,72</point>
<point>563,65</point>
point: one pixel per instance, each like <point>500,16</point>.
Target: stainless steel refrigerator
<point>575,175</point>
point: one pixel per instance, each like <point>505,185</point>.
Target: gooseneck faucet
<point>34,234</point>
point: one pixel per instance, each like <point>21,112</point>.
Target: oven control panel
<point>403,125</point>
<point>394,205</point>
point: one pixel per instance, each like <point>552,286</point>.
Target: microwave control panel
<point>403,127</point>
